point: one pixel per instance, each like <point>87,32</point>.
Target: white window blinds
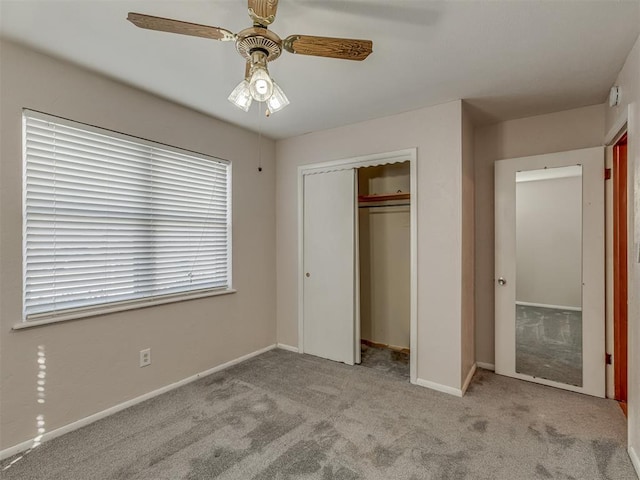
<point>111,218</point>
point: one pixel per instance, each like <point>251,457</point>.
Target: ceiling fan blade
<point>347,48</point>
<point>176,26</point>
<point>263,12</point>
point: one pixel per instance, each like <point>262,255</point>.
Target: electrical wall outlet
<point>145,357</point>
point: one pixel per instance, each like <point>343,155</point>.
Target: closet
<point>384,240</point>
<point>357,277</point>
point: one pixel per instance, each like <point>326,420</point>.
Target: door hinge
<point>608,360</point>
<point>607,174</point>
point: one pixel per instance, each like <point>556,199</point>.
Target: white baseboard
<point>438,387</point>
<point>289,348</point>
<point>635,460</point>
<point>467,380</point>
<point>486,366</point>
<point>21,447</point>
<point>544,305</point>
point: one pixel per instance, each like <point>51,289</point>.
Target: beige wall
<point>385,301</point>
<point>93,363</point>
<point>436,132</point>
<point>629,109</point>
<point>549,242</point>
<point>555,132</point>
<point>468,247</point>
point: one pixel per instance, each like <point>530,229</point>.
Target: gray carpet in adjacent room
<point>287,416</point>
<point>549,343</point>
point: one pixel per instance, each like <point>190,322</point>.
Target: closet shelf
<point>383,197</point>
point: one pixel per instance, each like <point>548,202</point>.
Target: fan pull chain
<point>260,136</point>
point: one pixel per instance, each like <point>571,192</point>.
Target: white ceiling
<point>508,58</point>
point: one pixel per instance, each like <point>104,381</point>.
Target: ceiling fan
<point>258,46</point>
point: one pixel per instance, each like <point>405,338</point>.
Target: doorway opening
<point>384,231</point>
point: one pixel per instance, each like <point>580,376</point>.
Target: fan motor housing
<point>258,38</point>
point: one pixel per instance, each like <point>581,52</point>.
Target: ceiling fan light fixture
<point>260,85</point>
<point>241,96</point>
<point>258,45</point>
<point>278,100</point>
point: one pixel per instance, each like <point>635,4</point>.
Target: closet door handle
<point>307,274</point>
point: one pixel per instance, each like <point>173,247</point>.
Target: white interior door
<point>549,269</point>
<point>329,257</point>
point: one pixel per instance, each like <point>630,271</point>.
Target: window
<point>112,221</point>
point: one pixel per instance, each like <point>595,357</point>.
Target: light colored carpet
<point>284,416</point>
<point>386,360</point>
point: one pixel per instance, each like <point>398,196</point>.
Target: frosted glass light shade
<point>261,85</point>
<point>241,96</point>
<point>278,100</point>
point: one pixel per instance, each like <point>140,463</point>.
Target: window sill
<point>121,307</point>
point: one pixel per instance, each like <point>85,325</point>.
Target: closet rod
<point>381,197</point>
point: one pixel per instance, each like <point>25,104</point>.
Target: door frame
<point>593,291</point>
<point>620,268</point>
<point>407,155</point>
<point>618,130</point>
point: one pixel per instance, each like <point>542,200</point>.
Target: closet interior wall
<point>384,237</point>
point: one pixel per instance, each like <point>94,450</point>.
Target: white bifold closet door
<point>329,265</point>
